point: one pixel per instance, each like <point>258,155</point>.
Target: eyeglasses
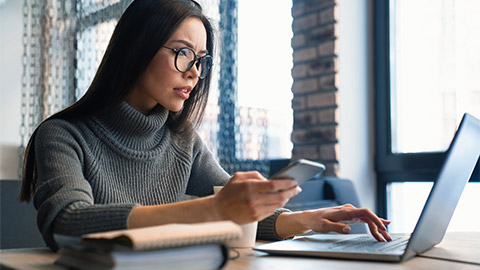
<point>186,57</point>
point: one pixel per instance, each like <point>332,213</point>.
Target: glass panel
<point>91,6</point>
<point>92,43</point>
<point>406,201</point>
<point>264,78</point>
<point>435,64</point>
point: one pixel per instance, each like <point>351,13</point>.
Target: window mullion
<point>227,99</point>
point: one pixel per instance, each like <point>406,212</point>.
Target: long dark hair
<point>143,29</point>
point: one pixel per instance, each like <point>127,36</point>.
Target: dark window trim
<point>392,167</point>
<point>227,101</point>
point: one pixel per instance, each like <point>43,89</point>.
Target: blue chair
<point>18,220</point>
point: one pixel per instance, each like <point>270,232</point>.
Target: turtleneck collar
<point>132,129</point>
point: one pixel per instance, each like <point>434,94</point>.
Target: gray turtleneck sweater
<point>92,172</point>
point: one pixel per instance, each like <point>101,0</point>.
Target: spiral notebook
<point>165,236</point>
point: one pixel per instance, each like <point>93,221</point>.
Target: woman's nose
<point>194,71</point>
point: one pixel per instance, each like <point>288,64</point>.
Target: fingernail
<point>299,189</point>
<point>346,229</point>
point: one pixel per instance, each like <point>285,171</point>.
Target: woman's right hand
<point>249,197</point>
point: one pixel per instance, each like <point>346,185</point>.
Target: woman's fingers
<point>386,222</point>
<point>279,198</point>
<point>348,214</point>
<point>367,216</point>
<point>248,197</point>
<point>256,183</point>
<point>253,175</point>
<point>374,232</point>
<point>331,226</point>
<point>379,232</point>
<point>270,186</point>
<point>386,235</point>
<point>352,221</point>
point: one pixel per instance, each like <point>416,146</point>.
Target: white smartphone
<point>301,170</point>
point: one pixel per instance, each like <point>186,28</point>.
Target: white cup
<point>249,231</point>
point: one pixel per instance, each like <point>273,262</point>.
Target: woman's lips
<point>183,92</point>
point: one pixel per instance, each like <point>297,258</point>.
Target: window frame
<point>395,167</point>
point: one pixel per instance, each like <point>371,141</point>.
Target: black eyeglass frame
<point>196,60</point>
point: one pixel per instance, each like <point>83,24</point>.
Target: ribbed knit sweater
<point>92,172</point>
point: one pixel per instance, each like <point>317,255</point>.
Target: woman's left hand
<point>332,219</point>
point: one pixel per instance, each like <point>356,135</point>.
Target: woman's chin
<point>175,109</point>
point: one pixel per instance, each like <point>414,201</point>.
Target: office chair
<point>18,220</point>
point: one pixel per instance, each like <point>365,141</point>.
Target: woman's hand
<point>332,219</point>
<point>249,197</point>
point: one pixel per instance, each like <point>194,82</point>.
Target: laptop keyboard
<point>366,243</point>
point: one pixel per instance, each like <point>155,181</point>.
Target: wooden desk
<point>456,246</point>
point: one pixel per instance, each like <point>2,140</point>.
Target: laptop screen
<point>462,156</point>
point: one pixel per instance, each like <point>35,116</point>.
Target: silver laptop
<point>462,155</point>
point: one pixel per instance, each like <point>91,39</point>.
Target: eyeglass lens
<point>185,59</point>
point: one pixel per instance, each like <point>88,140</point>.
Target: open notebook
<point>462,155</point>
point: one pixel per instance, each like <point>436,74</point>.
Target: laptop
<point>462,155</point>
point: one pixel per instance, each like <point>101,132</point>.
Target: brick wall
<point>315,101</point>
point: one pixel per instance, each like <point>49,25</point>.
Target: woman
<point>126,154</point>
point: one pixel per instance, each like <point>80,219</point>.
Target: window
<point>426,78</point>
<point>264,75</point>
<point>92,43</point>
<point>406,200</point>
<point>96,20</point>
<point>434,68</point>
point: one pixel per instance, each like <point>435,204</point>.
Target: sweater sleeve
<point>64,197</point>
<point>266,228</point>
<point>206,172</point>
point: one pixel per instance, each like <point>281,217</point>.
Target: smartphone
<point>301,170</point>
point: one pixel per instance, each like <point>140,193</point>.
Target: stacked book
<point>172,246</point>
